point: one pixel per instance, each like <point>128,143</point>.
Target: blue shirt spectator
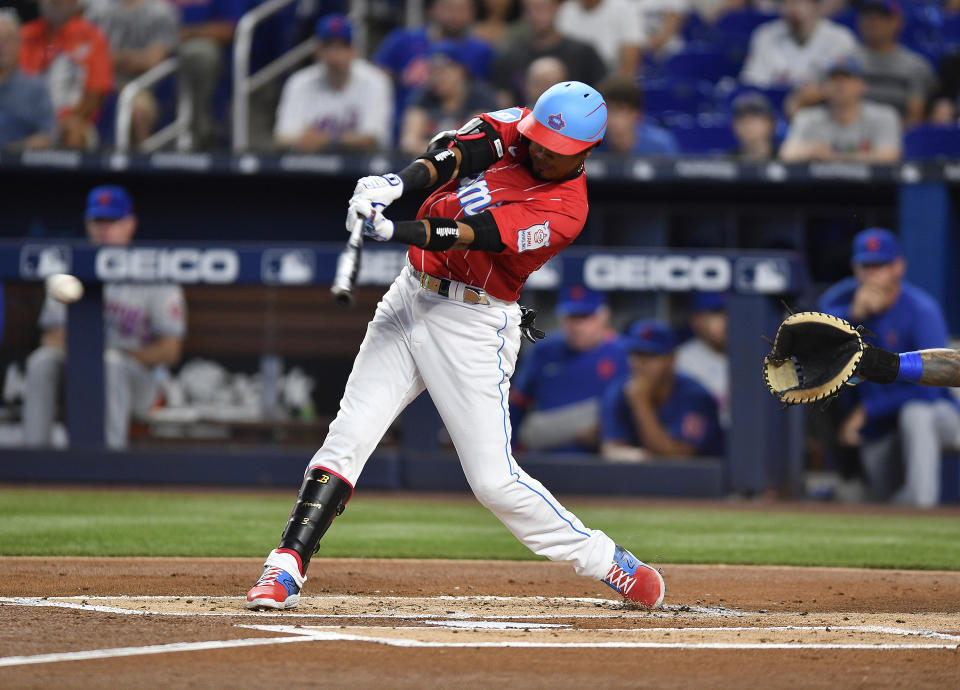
<point>901,429</point>
<point>655,411</point>
<point>628,131</point>
<point>404,52</point>
<point>555,395</point>
<point>26,113</point>
<point>902,316</point>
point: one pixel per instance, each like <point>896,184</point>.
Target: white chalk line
<point>336,634</point>
<point>116,652</point>
<point>66,603</point>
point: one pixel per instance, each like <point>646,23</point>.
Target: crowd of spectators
<point>826,79</point>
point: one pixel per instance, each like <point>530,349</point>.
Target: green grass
<point>148,523</point>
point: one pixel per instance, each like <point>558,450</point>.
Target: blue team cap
<point>577,300</point>
<point>875,246</point>
<point>334,27</point>
<point>109,202</point>
<point>708,301</point>
<point>651,337</point>
<point>845,64</point>
<point>887,7</point>
<point>447,49</point>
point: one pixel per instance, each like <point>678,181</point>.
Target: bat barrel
<point>348,265</point>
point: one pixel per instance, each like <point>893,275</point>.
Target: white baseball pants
<point>464,355</point>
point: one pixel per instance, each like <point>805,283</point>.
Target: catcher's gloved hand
<point>379,189</point>
<point>375,224</point>
<point>528,329</point>
<point>814,355</point>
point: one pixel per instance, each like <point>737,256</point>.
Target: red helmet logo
<point>873,243</point>
<point>556,121</point>
<point>103,199</point>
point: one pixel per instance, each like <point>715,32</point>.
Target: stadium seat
<point>739,25</point>
<point>695,64</point>
<point>710,139</point>
<point>931,141</point>
<point>684,96</point>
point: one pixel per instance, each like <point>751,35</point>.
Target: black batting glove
<point>528,329</point>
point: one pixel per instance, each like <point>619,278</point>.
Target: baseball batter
<point>509,193</point>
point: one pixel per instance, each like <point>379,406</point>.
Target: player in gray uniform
<point>144,328</point>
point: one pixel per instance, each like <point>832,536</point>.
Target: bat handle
<point>348,265</point>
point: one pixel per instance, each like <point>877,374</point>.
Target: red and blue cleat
<point>279,585</point>
<point>634,579</point>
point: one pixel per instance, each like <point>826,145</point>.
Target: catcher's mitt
<point>813,357</point>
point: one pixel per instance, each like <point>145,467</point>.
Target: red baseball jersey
<point>536,218</point>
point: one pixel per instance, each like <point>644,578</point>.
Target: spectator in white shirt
<point>662,22</point>
<point>613,27</point>
<point>340,102</point>
<point>794,51</point>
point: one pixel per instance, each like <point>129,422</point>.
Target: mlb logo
<point>37,261</point>
<point>765,276</point>
<point>288,267</point>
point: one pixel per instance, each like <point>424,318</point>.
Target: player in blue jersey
<point>899,428</point>
<point>555,396</point>
<point>655,411</point>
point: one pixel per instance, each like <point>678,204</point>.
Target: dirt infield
<point>158,622</point>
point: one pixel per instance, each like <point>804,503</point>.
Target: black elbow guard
<point>480,146</point>
<point>445,162</point>
<point>486,234</point>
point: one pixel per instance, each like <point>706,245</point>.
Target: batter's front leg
<point>467,361</point>
<point>383,381</point>
<point>467,369</point>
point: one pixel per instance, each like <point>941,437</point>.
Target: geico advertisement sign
<point>183,265</point>
<point>671,272</point>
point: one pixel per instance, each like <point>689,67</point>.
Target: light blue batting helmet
<point>567,118</point>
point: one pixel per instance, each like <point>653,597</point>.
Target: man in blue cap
<point>655,411</point>
<point>704,356</point>
<point>897,424</point>
<point>144,326</point>
<point>555,395</point>
<point>339,102</point>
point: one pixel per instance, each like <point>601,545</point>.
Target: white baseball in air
<point>64,287</point>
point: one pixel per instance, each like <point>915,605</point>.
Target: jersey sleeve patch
<point>534,237</point>
<point>508,115</point>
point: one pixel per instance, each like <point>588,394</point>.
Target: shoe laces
<point>269,576</point>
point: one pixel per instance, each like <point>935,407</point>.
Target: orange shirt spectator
<point>74,57</point>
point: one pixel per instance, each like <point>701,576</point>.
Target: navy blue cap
<point>109,202</point>
<point>577,300</point>
<point>875,246</point>
<point>450,50</point>
<point>708,301</point>
<point>887,7</point>
<point>751,103</point>
<point>651,337</point>
<point>845,64</point>
<point>334,27</point>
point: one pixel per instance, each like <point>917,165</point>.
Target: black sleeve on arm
<point>480,146</point>
<point>415,176</point>
<point>486,234</point>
